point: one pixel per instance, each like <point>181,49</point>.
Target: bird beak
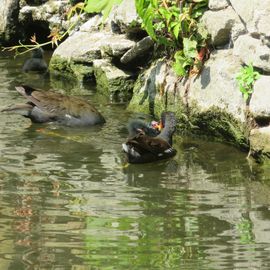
<point>157,125</point>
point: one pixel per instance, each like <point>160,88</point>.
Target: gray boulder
<point>259,105</point>
<point>92,25</point>
<point>138,50</point>
<point>76,54</point>
<point>124,18</point>
<point>85,47</point>
<point>219,25</point>
<point>217,87</point>
<point>255,15</point>
<point>260,142</point>
<point>252,50</point>
<point>245,9</point>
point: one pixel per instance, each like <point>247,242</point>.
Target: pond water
<point>69,201</point>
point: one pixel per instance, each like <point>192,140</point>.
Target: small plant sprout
<point>246,79</point>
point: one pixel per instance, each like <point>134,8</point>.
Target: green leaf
<point>199,9</point>
<point>104,6</point>
<point>246,79</point>
<point>139,4</point>
<point>165,13</point>
<point>249,80</point>
<point>190,47</point>
<point>176,30</point>
<point>148,23</point>
<point>246,95</point>
<point>154,3</point>
<point>180,64</point>
<point>178,69</point>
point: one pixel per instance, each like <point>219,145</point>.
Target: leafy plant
<point>175,25</point>
<point>246,79</point>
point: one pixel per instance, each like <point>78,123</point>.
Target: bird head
<point>157,125</point>
<point>137,126</point>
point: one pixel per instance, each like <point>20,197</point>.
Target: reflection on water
<point>69,201</point>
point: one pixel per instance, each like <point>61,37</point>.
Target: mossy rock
<point>112,81</point>
<point>219,125</point>
<point>79,71</point>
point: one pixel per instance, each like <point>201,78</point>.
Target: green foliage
<point>246,79</point>
<point>104,6</point>
<point>175,25</point>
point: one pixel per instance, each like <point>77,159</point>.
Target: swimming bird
<point>36,62</point>
<point>143,148</point>
<point>49,106</point>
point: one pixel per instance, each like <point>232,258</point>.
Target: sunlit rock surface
<point>219,24</point>
<point>253,50</point>
<point>218,4</point>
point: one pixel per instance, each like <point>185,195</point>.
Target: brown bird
<point>142,148</point>
<point>49,106</point>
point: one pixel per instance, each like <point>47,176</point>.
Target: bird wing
<point>143,143</point>
<point>56,103</point>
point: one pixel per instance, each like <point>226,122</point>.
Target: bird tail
<point>169,121</point>
<point>22,109</point>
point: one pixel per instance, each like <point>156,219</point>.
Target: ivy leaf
<point>180,63</point>
<point>178,69</point>
<point>190,47</point>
